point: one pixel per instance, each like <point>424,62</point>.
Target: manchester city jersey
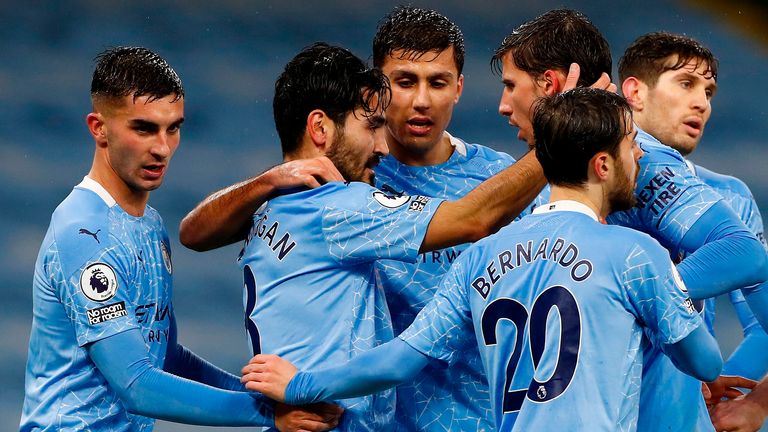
<point>439,398</point>
<point>670,199</point>
<point>558,304</point>
<point>100,271</point>
<point>310,293</point>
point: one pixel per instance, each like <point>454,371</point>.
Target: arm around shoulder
<point>224,216</point>
<point>487,208</point>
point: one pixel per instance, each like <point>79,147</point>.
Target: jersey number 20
<point>570,337</point>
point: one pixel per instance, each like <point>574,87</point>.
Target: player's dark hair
<point>554,40</point>
<point>416,32</point>
<point>137,71</point>
<point>328,78</point>
<point>573,126</point>
<point>652,54</point>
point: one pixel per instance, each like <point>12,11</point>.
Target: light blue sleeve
<point>151,392</point>
<point>726,256</point>
<point>750,359</point>
<point>444,327</point>
<point>372,224</point>
<point>98,296</point>
<point>380,368</point>
<point>660,299</point>
<point>657,294</point>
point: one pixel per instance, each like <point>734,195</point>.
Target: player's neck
<point>582,195</point>
<point>436,154</point>
<point>131,201</point>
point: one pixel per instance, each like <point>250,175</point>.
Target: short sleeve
<point>366,224</point>
<point>444,327</point>
<point>97,296</point>
<point>657,294</point>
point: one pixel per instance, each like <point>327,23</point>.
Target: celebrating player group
<point>400,278</point>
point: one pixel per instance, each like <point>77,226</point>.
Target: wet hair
<point>328,78</point>
<point>554,40</point>
<point>573,126</point>
<point>137,71</point>
<point>416,32</point>
<point>649,56</point>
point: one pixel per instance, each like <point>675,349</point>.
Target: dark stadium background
<point>228,56</point>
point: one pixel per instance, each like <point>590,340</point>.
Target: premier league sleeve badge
<point>98,282</point>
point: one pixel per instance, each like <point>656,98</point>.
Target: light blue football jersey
<point>670,199</point>
<point>310,291</point>
<point>751,359</point>
<point>558,304</point>
<point>100,271</point>
<point>440,398</point>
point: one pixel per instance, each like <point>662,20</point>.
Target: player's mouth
<point>154,171</point>
<point>693,126</point>
<point>419,126</point>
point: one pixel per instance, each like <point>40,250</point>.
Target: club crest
<point>166,257</point>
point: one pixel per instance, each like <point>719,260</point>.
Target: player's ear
<point>319,129</point>
<point>97,127</point>
<point>635,92</point>
<point>459,88</point>
<point>553,82</point>
<point>601,165</point>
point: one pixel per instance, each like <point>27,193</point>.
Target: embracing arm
<point>224,216</point>
<point>491,205</point>
<point>149,391</point>
<point>385,366</point>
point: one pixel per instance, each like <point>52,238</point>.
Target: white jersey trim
<point>566,205</point>
<point>94,186</point>
<point>457,144</point>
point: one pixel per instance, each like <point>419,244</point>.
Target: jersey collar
<point>458,145</point>
<point>94,186</point>
<point>566,205</point>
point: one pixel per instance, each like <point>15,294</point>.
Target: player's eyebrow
<point>143,125</point>
<point>376,121</point>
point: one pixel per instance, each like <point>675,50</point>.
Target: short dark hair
<point>417,31</point>
<point>328,78</point>
<point>554,40</point>
<point>137,71</point>
<point>648,57</point>
<point>573,126</point>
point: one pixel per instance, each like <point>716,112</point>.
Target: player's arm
<point>697,354</point>
<point>491,205</point>
<point>385,366</point>
<point>750,358</point>
<point>726,257</point>
<point>744,414</point>
<point>152,392</point>
<point>660,300</point>
<point>224,216</point>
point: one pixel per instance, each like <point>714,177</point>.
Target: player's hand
<point>725,387</point>
<point>312,418</point>
<point>309,173</point>
<point>268,374</point>
<point>602,83</point>
<point>738,415</point>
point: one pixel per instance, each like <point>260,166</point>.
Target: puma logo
<point>92,234</point>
